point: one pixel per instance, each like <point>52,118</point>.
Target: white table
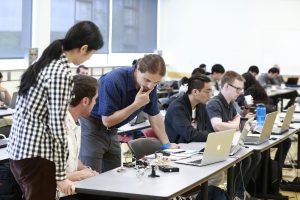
<point>167,186</point>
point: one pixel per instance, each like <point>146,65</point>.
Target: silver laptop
<point>286,122</point>
<point>216,149</point>
<point>265,133</point>
<point>140,118</point>
<point>235,148</point>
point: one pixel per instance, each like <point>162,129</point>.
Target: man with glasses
<point>223,116</point>
<point>221,111</point>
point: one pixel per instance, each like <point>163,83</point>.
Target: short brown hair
<point>153,64</point>
<point>230,76</point>
<point>84,86</point>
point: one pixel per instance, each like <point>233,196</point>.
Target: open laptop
<point>265,133</point>
<point>292,82</point>
<point>140,118</point>
<point>286,122</point>
<point>216,149</point>
<point>245,129</point>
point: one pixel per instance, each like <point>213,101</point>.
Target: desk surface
<point>167,186</point>
<point>3,155</point>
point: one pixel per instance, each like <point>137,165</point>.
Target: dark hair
<point>84,86</point>
<point>254,69</point>
<point>153,64</point>
<point>1,76</point>
<point>274,70</point>
<point>197,81</point>
<point>202,66</point>
<point>253,87</point>
<point>79,67</point>
<point>230,76</point>
<point>217,68</point>
<point>249,80</point>
<point>198,71</point>
<point>82,33</point>
<point>183,81</point>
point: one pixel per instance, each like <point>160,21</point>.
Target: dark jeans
<point>36,178</point>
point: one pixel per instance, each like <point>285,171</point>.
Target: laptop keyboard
<point>196,161</point>
<point>252,139</point>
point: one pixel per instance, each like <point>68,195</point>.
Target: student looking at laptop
<point>223,116</point>
<point>186,119</point>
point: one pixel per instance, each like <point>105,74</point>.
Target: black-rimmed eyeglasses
<point>238,89</point>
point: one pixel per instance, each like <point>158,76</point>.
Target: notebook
<point>292,82</point>
<point>265,133</point>
<point>216,150</point>
<point>286,122</point>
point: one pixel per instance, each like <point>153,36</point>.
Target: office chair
<point>143,146</point>
<point>149,132</point>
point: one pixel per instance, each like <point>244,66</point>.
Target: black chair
<point>143,146</point>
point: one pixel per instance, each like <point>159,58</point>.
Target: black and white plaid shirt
<point>38,123</point>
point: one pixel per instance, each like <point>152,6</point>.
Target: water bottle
<point>260,116</point>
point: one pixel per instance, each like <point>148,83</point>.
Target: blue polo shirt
<point>117,91</point>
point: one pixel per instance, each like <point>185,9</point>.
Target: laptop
<point>265,132</point>
<point>286,122</point>
<point>245,129</point>
<point>292,82</point>
<point>3,143</point>
<point>140,118</point>
<point>216,150</point>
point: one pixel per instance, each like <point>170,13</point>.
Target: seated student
<point>267,79</point>
<point>273,78</point>
<point>85,92</point>
<point>5,99</point>
<point>217,72</point>
<point>253,88</point>
<point>82,69</point>
<point>5,96</point>
<point>259,95</point>
<point>203,67</point>
<point>186,120</point>
<point>253,70</point>
<point>223,116</point>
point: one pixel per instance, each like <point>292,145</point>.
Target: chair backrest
<point>144,146</point>
<point>13,100</point>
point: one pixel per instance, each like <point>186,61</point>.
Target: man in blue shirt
<point>123,94</point>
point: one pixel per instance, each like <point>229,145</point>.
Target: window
<point>134,26</point>
<point>15,28</point>
<point>66,13</point>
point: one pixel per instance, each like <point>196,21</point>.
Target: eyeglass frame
<point>237,89</point>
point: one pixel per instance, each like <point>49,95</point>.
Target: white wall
<point>234,33</point>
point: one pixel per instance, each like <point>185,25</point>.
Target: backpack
<point>9,188</point>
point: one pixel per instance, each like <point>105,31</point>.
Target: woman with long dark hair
<point>38,147</point>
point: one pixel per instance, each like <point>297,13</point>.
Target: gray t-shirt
<point>218,107</point>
